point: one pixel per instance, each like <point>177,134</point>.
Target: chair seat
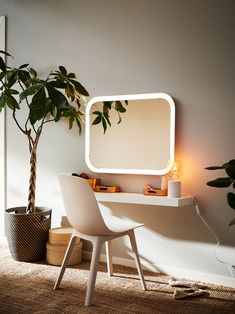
<point>117,225</point>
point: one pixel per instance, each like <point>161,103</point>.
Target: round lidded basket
<point>58,240</point>
<point>55,254</point>
<point>60,236</point>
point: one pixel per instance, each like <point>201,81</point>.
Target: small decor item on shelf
<point>149,190</point>
<point>174,184</point>
<point>164,182</point>
<point>174,188</point>
<point>92,181</point>
<point>107,188</point>
<point>57,244</point>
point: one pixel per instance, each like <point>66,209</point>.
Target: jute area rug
<point>28,288</point>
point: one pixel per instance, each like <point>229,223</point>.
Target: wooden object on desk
<point>107,188</point>
<point>149,190</point>
<point>93,182</point>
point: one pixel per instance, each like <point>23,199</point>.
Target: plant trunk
<point>32,180</point>
<point>33,144</point>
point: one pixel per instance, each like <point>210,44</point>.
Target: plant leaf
<point>220,182</point>
<point>57,84</point>
<point>120,118</point>
<point>58,99</point>
<point>24,66</point>
<point>107,104</point>
<point>78,124</point>
<point>37,106</point>
<point>214,167</point>
<point>231,199</point>
<point>79,88</point>
<point>12,77</point>
<point>33,72</point>
<point>97,120</point>
<point>230,170</point>
<point>5,53</point>
<point>71,120</point>
<point>108,121</point>
<point>119,107</point>
<point>231,162</point>
<point>71,75</point>
<point>2,102</point>
<point>232,222</point>
<point>78,103</point>
<point>24,77</point>
<point>63,70</point>
<point>11,102</point>
<point>29,91</point>
<point>104,124</point>
<point>2,74</point>
<point>97,112</point>
<point>13,91</point>
<point>2,65</point>
<point>105,111</point>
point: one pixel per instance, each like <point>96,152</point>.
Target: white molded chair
<point>85,217</point>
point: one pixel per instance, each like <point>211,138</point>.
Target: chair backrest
<point>81,206</point>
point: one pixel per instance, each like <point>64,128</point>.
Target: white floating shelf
<point>138,198</point>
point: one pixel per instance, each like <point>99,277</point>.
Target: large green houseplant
<point>42,100</point>
<point>225,182</point>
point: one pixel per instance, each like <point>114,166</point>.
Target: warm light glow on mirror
<point>143,143</point>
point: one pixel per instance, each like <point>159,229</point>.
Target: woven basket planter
<point>27,234</point>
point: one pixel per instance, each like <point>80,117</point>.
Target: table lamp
<point>174,185</point>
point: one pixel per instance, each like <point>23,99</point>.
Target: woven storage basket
<point>58,240</point>
<point>27,234</point>
<point>60,236</point>
<point>55,254</point>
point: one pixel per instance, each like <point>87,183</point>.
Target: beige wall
<point>2,140</point>
<point>184,48</point>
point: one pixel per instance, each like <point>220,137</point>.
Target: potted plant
<point>47,100</point>
<point>44,100</point>
<point>225,182</point>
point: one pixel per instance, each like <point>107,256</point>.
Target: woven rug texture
<point>28,288</point>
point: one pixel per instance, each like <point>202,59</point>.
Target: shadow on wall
<point>174,223</point>
<point>181,223</point>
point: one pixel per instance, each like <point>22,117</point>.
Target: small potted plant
<point>225,182</point>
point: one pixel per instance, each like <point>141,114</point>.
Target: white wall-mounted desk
<point>138,198</point>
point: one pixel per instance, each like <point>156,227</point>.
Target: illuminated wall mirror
<point>142,143</point>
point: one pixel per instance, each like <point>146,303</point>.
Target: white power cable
<point>230,267</point>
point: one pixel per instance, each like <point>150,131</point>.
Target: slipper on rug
<point>186,284</point>
<point>187,293</point>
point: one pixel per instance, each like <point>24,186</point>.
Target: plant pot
<point>27,234</point>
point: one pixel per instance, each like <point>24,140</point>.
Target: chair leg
<point>65,261</point>
<point>97,244</point>
<point>108,246</point>
<point>131,235</point>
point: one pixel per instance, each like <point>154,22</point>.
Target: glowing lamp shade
<point>174,185</point>
<point>177,169</point>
